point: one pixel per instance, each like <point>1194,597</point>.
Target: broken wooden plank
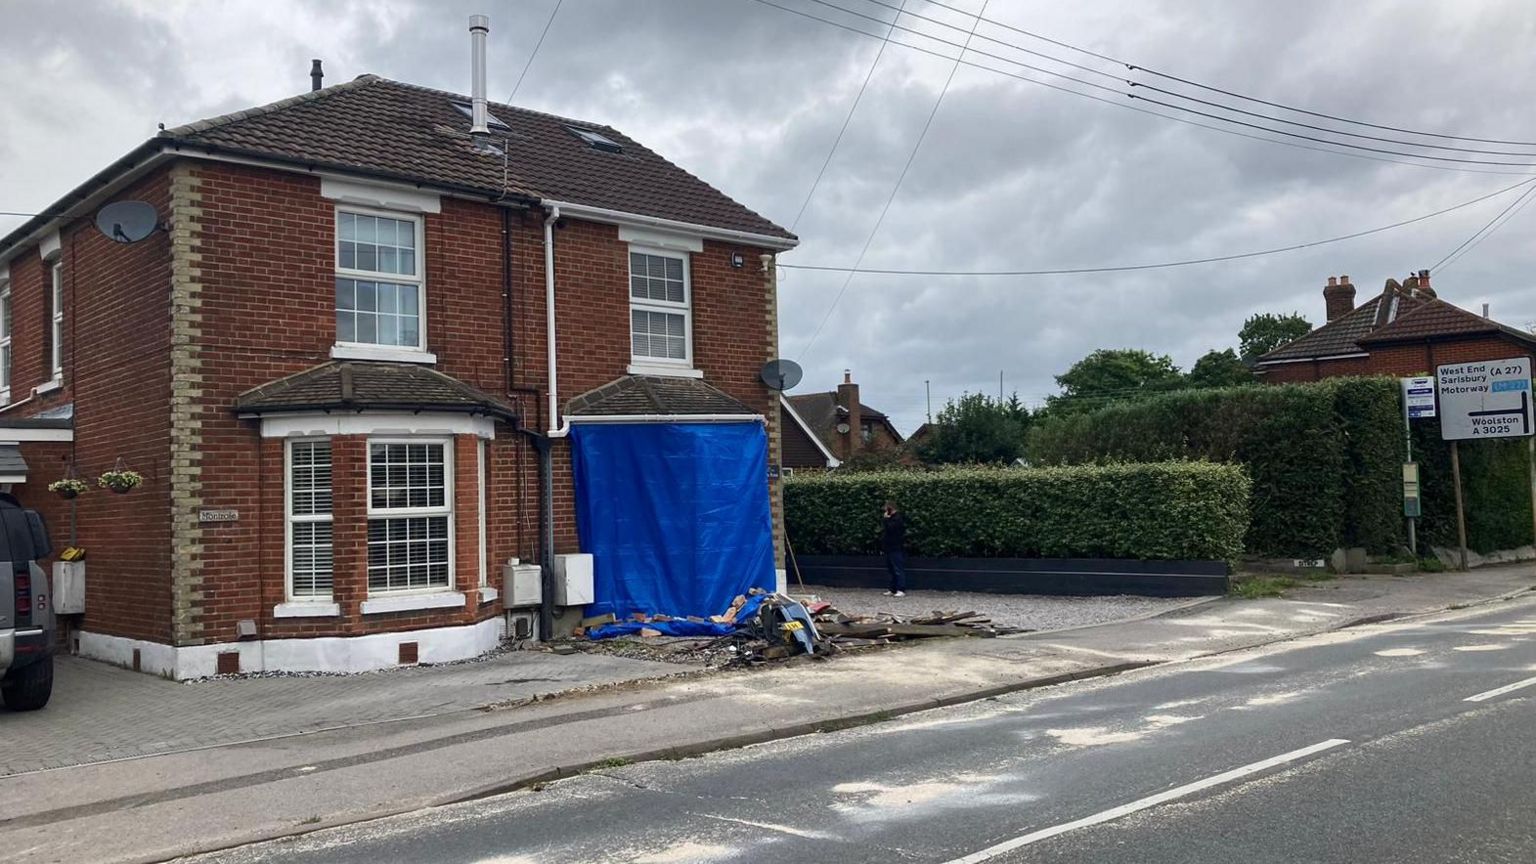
<point>599,620</point>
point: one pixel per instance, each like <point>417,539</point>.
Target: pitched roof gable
<point>1438,318</point>
<point>821,413</point>
<point>1342,335</point>
<point>388,128</point>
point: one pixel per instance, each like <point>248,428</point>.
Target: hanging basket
<point>120,480</point>
<point>69,487</point>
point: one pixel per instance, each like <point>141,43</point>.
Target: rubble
<point>761,627</point>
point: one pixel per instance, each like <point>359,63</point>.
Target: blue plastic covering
<point>675,515</point>
<point>745,615</point>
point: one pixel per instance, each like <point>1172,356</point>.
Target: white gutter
<point>665,418</point>
<point>556,428</point>
<point>618,217</point>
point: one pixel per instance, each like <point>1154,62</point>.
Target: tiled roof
<point>821,412</point>
<point>1343,334</point>
<point>382,127</point>
<point>1439,318</point>
<point>639,395</point>
<point>357,386</point>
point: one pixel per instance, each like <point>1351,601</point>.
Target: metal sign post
<point>1418,401</point>
<point>1488,399</point>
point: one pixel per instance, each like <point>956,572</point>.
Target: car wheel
<point>28,688</point>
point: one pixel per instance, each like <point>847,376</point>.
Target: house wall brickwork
<point>117,375</point>
<point>1401,359</point>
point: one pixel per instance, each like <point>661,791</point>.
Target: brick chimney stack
<point>1339,297</point>
<point>851,416</point>
<point>1424,289</point>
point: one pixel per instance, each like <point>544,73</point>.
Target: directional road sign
<point>1489,399</point>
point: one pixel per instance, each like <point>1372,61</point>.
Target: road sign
<point>1490,399</point>
<point>1419,396</point>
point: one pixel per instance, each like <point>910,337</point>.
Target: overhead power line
<point>14,213</point>
<point>1124,105</point>
<point>1070,271</point>
<point>536,46</point>
<point>1213,89</point>
<point>1482,233</point>
<point>916,146</point>
<point>1171,106</point>
<point>886,41</point>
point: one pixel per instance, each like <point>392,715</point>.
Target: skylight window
<point>596,140</point>
<point>468,110</point>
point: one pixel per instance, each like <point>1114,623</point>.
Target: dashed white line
<point>1148,802</point>
<point>1500,691</point>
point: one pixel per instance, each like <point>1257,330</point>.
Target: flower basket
<point>120,481</point>
<point>69,487</point>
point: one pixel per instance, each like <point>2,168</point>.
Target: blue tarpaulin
<point>675,515</point>
<point>744,616</point>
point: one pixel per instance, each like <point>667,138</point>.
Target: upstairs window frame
<point>7,353</point>
<point>651,305</point>
<point>56,325</point>
<point>402,282</point>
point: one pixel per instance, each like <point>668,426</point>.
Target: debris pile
<point>759,627</point>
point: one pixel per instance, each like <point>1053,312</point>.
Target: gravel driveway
<point>1026,611</point>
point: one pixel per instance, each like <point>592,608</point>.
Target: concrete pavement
<point>139,809</point>
<point>1386,743</point>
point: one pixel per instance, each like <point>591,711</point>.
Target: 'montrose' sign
<point>1489,399</point>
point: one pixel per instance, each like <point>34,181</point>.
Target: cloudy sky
<point>1010,176</point>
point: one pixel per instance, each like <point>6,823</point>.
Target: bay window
<point>410,515</point>
<point>310,561</point>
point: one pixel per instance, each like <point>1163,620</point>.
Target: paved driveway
<point>101,712</point>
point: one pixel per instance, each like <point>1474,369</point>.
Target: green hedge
<point>1168,511</point>
<point>1323,457</point>
<point>1496,482</point>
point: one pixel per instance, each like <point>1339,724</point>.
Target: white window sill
<point>306,609</point>
<point>488,594</point>
<point>664,370</point>
<point>48,387</point>
<point>380,352</point>
<point>409,602</point>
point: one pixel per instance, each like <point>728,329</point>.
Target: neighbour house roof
<point>814,439</point>
<point>652,395</point>
<point>1438,318</point>
<point>353,386</point>
<point>1342,335</point>
<point>822,413</point>
<point>381,128</point>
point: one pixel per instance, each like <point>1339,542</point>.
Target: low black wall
<point>1062,576</point>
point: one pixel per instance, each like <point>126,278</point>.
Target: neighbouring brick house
<point>332,366</point>
<point>821,430</point>
<point>1404,330</point>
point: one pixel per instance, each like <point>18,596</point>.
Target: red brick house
<point>1404,330</point>
<point>333,367</point>
<point>821,430</point>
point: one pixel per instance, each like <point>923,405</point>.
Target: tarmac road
<point>1388,743</point>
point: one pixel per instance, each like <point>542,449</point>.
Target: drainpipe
<point>545,443</point>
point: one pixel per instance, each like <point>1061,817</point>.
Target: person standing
<point>893,541</point>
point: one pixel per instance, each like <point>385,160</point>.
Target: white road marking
<point>1500,691</point>
<point>1399,652</point>
<point>1148,802</point>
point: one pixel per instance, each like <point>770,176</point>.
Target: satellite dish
<point>127,221</point>
<point>781,374</point>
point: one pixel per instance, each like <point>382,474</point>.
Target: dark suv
<point>26,613</point>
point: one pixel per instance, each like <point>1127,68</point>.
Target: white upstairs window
<point>310,570</point>
<point>56,306</point>
<point>660,308</point>
<point>380,290</point>
<point>5,342</point>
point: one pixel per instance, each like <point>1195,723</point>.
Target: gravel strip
<point>1026,611</point>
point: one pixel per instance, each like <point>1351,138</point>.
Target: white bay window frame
<point>56,308</point>
<point>360,350</point>
<point>5,341</point>
<point>310,602</point>
<point>643,363</point>
<point>446,512</point>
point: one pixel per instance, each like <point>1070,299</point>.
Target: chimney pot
<point>847,376</point>
<point>1485,310</point>
<point>316,74</point>
<point>1338,297</point>
<point>479,26</point>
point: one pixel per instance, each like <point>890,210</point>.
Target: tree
<point>1267,331</point>
<point>1219,369</point>
<point>977,429</point>
<point>1110,374</point>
